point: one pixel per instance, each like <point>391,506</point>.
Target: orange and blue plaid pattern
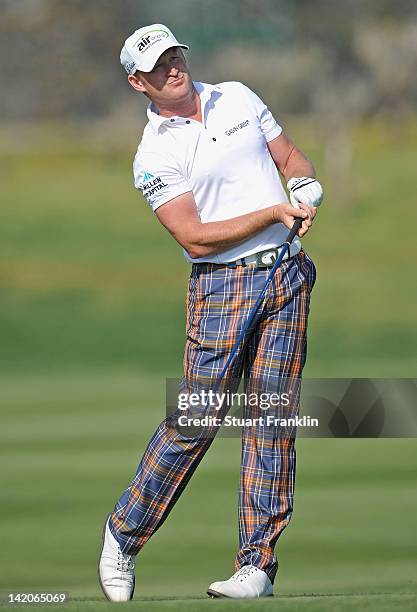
<point>219,299</point>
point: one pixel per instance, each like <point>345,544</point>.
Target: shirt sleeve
<point>158,178</point>
<point>269,126</point>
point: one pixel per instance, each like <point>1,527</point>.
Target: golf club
<point>285,247</point>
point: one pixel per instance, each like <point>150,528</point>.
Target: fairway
<point>90,278</point>
<point>70,443</point>
<point>340,602</point>
<point>92,323</point>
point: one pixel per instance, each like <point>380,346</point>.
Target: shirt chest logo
<point>237,127</point>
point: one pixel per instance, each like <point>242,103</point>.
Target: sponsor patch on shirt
<point>237,127</point>
<point>151,184</point>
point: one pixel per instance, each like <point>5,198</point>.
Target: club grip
<point>294,229</point>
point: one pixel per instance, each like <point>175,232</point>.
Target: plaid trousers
<point>219,299</point>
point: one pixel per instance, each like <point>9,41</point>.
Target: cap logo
<point>129,66</point>
<point>150,38</point>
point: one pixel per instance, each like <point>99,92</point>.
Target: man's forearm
<point>216,236</point>
<point>181,218</point>
<point>298,165</point>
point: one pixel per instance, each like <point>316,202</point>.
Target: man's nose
<point>173,70</point>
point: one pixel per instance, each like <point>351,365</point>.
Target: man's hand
<point>305,190</point>
<point>287,214</point>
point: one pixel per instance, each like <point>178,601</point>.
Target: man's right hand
<point>287,214</point>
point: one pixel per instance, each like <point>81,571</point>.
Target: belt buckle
<point>266,259</point>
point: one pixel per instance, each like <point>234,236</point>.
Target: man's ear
<point>136,82</point>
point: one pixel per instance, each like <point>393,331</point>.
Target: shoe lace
<point>243,573</point>
<point>125,563</point>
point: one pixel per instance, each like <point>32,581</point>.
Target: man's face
<point>169,80</point>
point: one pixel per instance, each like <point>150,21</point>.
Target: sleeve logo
<point>151,184</point>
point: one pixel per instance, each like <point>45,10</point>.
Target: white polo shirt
<point>224,161</point>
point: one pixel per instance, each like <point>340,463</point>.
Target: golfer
<point>209,166</point>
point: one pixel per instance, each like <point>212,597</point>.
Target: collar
<point>204,90</point>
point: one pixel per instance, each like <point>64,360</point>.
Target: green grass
<point>71,443</point>
<point>89,278</point>
<point>92,322</point>
<point>339,602</point>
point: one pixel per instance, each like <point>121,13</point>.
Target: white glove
<point>305,190</point>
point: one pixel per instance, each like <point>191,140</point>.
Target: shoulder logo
<point>151,184</point>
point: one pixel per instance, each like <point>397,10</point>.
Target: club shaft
<point>291,235</point>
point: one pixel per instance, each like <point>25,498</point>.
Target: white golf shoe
<point>116,570</point>
<point>248,582</point>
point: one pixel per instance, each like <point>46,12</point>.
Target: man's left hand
<point>307,222</point>
<point>305,190</point>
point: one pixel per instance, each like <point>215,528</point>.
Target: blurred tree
<point>368,64</point>
<point>338,61</point>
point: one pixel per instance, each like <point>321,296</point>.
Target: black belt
<point>262,260</point>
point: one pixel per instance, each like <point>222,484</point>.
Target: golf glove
<point>305,190</point>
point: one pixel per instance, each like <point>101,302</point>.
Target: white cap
<point>143,48</point>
